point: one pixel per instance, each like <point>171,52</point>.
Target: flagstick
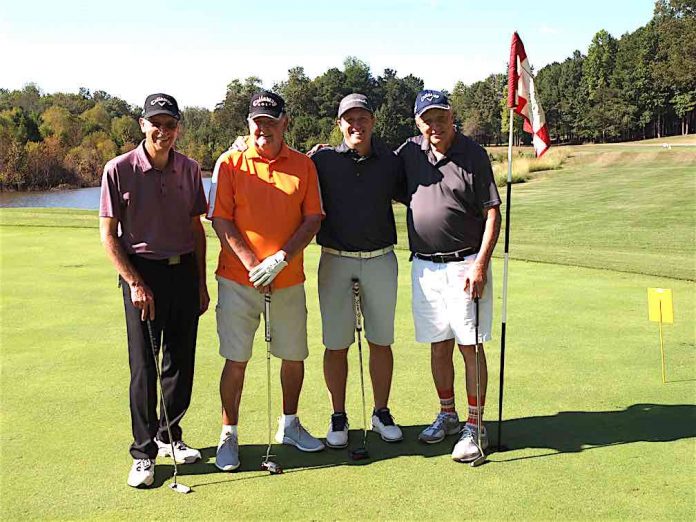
<point>505,279</point>
<point>662,347</point>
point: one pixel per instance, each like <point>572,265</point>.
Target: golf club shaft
<point>478,376</point>
<point>154,344</point>
<point>267,335</point>
<point>358,329</point>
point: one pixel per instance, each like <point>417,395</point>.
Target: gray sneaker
<point>445,424</point>
<point>466,450</point>
<point>227,456</point>
<point>296,435</point>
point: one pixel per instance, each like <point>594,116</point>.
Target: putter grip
<point>356,305</point>
<point>267,316</point>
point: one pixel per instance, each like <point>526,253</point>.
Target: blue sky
<point>193,49</point>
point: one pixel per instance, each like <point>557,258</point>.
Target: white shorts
<point>442,309</point>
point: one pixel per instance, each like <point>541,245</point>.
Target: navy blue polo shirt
<point>447,198</point>
<point>357,195</point>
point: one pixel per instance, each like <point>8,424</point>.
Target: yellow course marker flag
<point>660,311</point>
<point>660,308</point>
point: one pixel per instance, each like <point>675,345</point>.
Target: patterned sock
<point>446,401</point>
<point>474,412</point>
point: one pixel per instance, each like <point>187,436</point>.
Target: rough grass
<point>524,166</point>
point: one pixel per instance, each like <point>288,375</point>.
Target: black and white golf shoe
<point>383,423</point>
<point>142,473</point>
<point>337,436</point>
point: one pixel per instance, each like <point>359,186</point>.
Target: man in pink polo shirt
<point>149,221</point>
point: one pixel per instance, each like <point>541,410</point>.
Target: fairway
<point>592,431</point>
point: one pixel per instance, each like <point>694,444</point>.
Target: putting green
<point>592,431</point>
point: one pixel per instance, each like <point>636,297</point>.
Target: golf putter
<point>268,465</point>
<point>179,488</point>
<point>360,453</point>
<point>481,458</point>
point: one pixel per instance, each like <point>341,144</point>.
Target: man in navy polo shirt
<point>453,224</point>
<point>358,179</point>
<point>149,221</point>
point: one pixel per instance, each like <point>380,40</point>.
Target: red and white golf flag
<point>522,97</point>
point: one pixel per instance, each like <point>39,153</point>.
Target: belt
<point>358,255</point>
<point>168,261</point>
<point>450,257</point>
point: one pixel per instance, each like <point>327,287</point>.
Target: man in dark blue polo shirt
<point>453,224</point>
<point>358,180</point>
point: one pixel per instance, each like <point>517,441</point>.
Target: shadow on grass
<point>575,431</point>
<point>564,432</point>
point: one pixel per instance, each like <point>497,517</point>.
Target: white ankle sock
<point>287,419</point>
<point>228,429</point>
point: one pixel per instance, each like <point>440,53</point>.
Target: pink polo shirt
<point>153,207</point>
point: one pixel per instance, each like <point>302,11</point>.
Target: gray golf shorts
<point>378,278</point>
<point>239,312</point>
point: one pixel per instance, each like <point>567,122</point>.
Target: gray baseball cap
<point>354,101</point>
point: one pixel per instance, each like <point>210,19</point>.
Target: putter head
<point>359,454</point>
<point>271,467</point>
<point>480,459</point>
<point>179,488</point>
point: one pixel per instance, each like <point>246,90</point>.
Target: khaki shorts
<point>378,286</point>
<point>442,309</point>
<point>239,311</point>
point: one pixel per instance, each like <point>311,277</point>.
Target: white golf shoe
<point>383,423</point>
<point>466,450</point>
<point>184,454</point>
<point>337,436</point>
<point>142,473</point>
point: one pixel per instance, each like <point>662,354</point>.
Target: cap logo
<point>160,101</point>
<point>264,101</point>
<point>430,96</point>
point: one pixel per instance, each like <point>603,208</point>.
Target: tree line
<point>638,86</point>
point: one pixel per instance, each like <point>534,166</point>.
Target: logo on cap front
<point>160,101</point>
<point>430,96</point>
<point>264,101</point>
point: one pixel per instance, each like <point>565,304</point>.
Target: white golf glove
<point>265,272</point>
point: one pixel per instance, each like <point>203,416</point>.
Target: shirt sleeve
<point>222,192</point>
<point>200,204</point>
<point>109,199</point>
<point>312,204</point>
<point>484,182</point>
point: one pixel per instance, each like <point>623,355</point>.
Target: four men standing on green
<point>265,207</point>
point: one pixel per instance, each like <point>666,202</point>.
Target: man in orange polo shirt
<point>265,207</point>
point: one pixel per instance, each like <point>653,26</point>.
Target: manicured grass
<point>592,431</point>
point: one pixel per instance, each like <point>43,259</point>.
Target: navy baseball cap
<point>266,103</point>
<point>429,99</point>
<point>354,101</point>
<point>161,103</point>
